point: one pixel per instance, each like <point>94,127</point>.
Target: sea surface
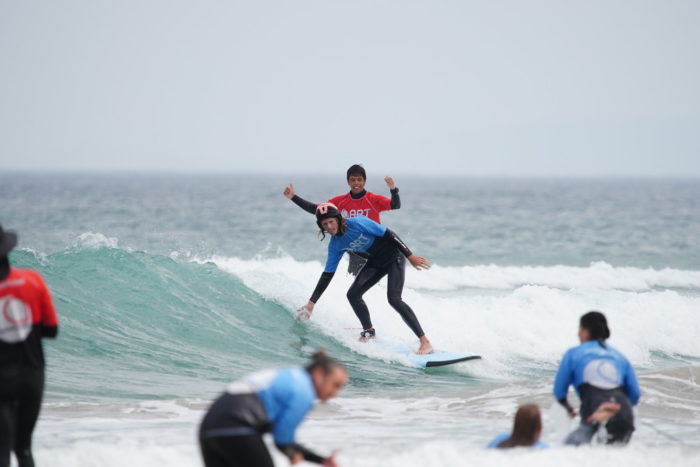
<point>170,286</point>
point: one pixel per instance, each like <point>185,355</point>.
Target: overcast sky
<point>512,88</point>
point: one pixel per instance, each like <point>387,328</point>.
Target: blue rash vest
<point>269,400</point>
<point>601,367</point>
<point>504,436</point>
<point>358,238</point>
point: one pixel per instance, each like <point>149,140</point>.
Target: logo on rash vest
<point>602,374</point>
<point>15,320</point>
<point>355,212</point>
<point>358,243</point>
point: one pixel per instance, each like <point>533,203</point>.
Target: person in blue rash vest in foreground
<point>274,400</point>
<point>600,374</point>
<point>386,256</point>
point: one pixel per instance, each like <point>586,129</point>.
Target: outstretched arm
<point>299,201</point>
<point>416,261</point>
<point>395,199</point>
<point>296,453</point>
<point>306,310</point>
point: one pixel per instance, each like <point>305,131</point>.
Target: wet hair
<point>597,326</point>
<point>342,227</point>
<point>321,360</point>
<point>526,427</point>
<point>356,169</point>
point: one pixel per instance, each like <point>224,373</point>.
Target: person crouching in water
<point>527,428</point>
<point>599,374</point>
<point>386,256</point>
<point>268,401</point>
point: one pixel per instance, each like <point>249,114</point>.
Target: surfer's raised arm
<point>395,198</point>
<point>307,206</point>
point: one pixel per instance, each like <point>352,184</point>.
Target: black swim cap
<point>325,211</point>
<point>595,323</point>
<point>356,169</point>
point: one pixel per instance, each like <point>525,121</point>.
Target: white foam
<point>598,275</point>
<point>95,240</point>
<point>531,324</point>
<point>402,430</point>
<point>454,453</point>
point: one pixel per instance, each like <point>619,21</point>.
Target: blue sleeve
<point>498,440</point>
<point>369,226</point>
<point>290,417</point>
<point>564,377</point>
<point>333,258</point>
<point>631,385</point>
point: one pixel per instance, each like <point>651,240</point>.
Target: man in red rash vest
<point>357,202</point>
<point>26,316</point>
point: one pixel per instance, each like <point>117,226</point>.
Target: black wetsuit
<point>27,316</point>
<point>619,428</point>
<point>600,373</point>
<point>231,432</point>
<point>385,257</point>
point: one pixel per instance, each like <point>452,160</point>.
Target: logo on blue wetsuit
<point>602,374</point>
<point>359,243</point>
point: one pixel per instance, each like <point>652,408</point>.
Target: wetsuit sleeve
<point>563,379</point>
<point>321,286</point>
<point>333,259</point>
<point>395,199</point>
<point>290,449</point>
<point>295,407</point>
<point>631,385</point>
<point>392,237</point>
<point>49,319</point>
<point>498,440</point>
<point>307,206</point>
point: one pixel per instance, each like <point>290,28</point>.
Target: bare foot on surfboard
<point>425,346</point>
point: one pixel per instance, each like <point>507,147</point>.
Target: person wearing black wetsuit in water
<point>386,256</point>
<point>26,316</point>
<point>599,374</point>
<point>276,401</point>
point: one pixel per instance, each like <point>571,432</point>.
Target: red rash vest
<point>26,315</point>
<point>369,205</point>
